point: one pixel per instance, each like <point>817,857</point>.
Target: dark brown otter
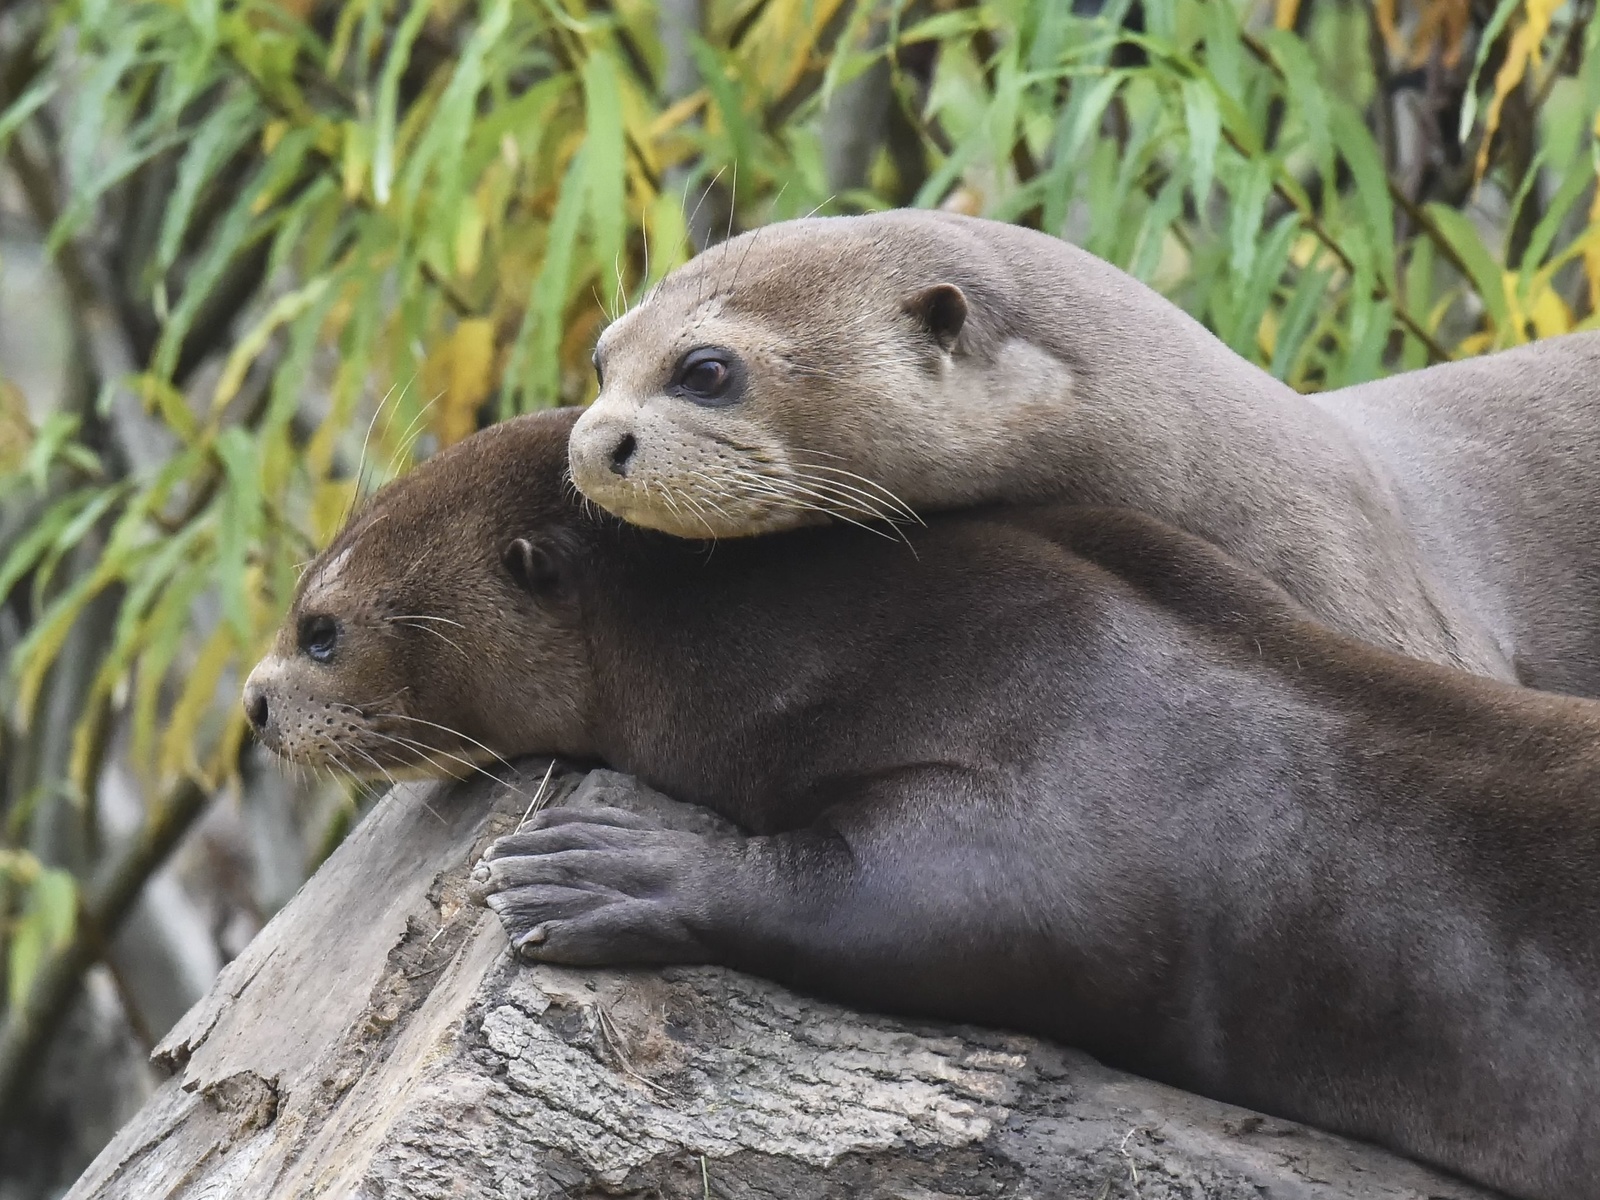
<point>1064,770</point>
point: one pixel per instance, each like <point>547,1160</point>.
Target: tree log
<point>379,1039</point>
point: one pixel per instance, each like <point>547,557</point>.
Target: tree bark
<point>378,1039</point>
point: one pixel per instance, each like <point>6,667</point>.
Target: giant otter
<point>1065,770</point>
<point>858,367</point>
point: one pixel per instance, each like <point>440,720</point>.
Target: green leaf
<point>1153,232</point>
<point>547,304</point>
<point>25,105</point>
<point>237,231</point>
<point>219,137</point>
<point>741,136</point>
<point>604,166</point>
<point>1485,273</point>
<point>29,548</point>
<point>1486,41</point>
<point>1253,299</point>
<point>1203,119</point>
<point>239,526</point>
<point>1306,97</point>
<point>1250,191</point>
<point>55,433</point>
<point>1372,186</point>
<point>45,927</point>
<point>383,128</point>
<point>1309,293</point>
<point>1573,186</point>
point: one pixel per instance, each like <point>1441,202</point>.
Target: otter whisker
<point>534,804</point>
<point>797,500</point>
<point>448,641</point>
<point>823,205</point>
<point>424,617</point>
<point>443,729</point>
<point>393,782</point>
<point>361,461</point>
<point>733,284</point>
<point>357,707</point>
<point>823,491</point>
<point>821,498</point>
<point>427,752</point>
<point>711,484</point>
<point>644,232</point>
<point>412,432</point>
<point>366,442</point>
<point>697,511</point>
<point>880,495</point>
<point>689,225</point>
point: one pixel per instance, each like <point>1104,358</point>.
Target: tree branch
<point>27,1029</point>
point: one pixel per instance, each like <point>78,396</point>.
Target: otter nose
<point>622,454</point>
<point>255,705</point>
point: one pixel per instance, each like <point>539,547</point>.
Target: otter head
<point>810,370</point>
<point>439,629</point>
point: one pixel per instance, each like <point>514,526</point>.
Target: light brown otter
<point>1065,770</point>
<point>859,367</point>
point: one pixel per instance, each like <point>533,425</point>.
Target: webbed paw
<point>598,886</point>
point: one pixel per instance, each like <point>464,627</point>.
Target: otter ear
<point>942,309</point>
<point>532,565</point>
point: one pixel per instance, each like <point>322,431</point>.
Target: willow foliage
<point>422,211</point>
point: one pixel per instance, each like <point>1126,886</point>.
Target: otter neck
<point>1189,432</point>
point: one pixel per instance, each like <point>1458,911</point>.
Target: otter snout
<point>622,454</point>
<point>601,447</point>
<point>259,708</point>
<point>255,706</point>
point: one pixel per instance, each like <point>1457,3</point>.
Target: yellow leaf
<point>183,726</point>
<point>1383,12</point>
<point>16,429</point>
<point>1284,13</point>
<point>469,238</point>
<point>460,370</point>
<point>356,159</point>
<point>272,134</point>
<point>677,115</point>
<point>1591,250</point>
<point>1267,334</point>
<point>1522,49</point>
<point>286,308</point>
<point>331,500</point>
<point>1549,314</point>
<point>1442,25</point>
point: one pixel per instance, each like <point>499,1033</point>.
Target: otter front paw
<point>597,887</point>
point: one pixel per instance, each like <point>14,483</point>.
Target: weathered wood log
<point>379,1039</point>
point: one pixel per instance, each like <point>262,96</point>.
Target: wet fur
<point>1452,513</point>
<point>1064,770</point>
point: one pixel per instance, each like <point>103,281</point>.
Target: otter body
<point>861,367</point>
<point>1064,770</point>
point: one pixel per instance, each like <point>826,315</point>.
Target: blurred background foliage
<point>258,256</point>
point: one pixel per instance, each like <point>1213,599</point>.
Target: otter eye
<point>709,376</point>
<point>318,636</point>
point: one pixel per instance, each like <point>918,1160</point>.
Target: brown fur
<point>1065,770</point>
<point>1452,514</point>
